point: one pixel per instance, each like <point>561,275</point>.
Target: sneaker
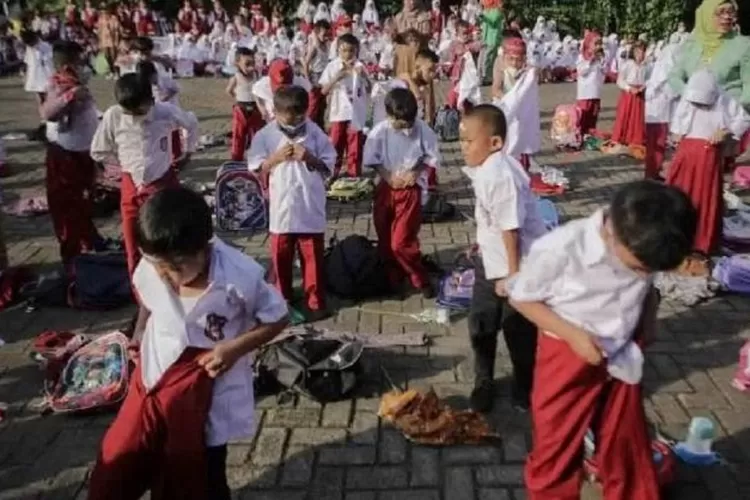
<point>428,292</point>
<point>482,397</point>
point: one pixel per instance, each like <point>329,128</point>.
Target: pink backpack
<point>741,380</point>
<point>565,130</point>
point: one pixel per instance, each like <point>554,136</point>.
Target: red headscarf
<point>514,46</point>
<point>589,40</point>
<point>280,73</point>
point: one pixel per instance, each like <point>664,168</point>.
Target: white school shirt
<point>573,272</point>
<point>521,107</point>
<point>504,202</point>
<point>400,150</point>
<point>262,90</point>
<point>697,123</point>
<point>167,85</point>
<point>297,195</point>
<point>236,301</point>
<point>141,144</point>
<point>348,98</point>
<point>243,90</point>
<point>660,98</point>
<point>379,91</point>
<point>39,67</point>
<point>631,75</point>
<point>590,75</point>
<point>79,130</point>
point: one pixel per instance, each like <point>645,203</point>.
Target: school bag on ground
<point>565,131</point>
<point>456,288</point>
<point>354,269</point>
<point>348,189</point>
<point>446,124</point>
<point>437,209</point>
<point>240,203</point>
<point>101,281</point>
<point>322,369</point>
<point>733,273</point>
<point>665,462</point>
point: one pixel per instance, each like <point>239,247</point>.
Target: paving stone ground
<point>305,451</point>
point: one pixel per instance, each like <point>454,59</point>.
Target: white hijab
<point>322,13</point>
<point>370,13</point>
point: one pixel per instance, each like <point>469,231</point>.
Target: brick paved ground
<point>341,451</point>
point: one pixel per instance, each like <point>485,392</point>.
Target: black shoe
<point>482,397</point>
<point>428,292</point>
<point>319,315</point>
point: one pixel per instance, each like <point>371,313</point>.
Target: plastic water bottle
<point>700,436</point>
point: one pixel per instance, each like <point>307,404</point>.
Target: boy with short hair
<point>315,62</point>
<point>135,133</point>
<point>508,221</point>
<point>401,149</point>
<point>298,158</point>
<point>588,287</point>
<point>205,307</point>
<point>246,119</point>
<point>346,82</point>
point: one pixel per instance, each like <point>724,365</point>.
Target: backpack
<point>239,198</point>
<point>733,273</point>
<point>325,370</point>
<point>101,281</point>
<point>565,130</point>
<point>354,269</point>
<point>457,287</point>
<point>350,189</point>
<point>437,209</point>
<point>446,124</point>
<point>96,375</point>
<point>665,461</point>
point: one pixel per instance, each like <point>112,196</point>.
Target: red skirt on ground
<point>697,169</point>
<point>589,114</point>
<point>630,121</point>
<point>657,135</point>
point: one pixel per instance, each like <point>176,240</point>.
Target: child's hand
<point>719,136</point>
<point>220,359</point>
<point>500,289</point>
<point>409,178</point>
<point>586,348</point>
<point>281,155</point>
<point>299,152</point>
<point>343,74</point>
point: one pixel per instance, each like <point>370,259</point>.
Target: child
<point>630,120</point>
<point>38,62</point>
<point>205,308</point>
<point>590,76</point>
<point>345,81</point>
<point>516,91</point>
<point>508,222</point>
<point>246,119</point>
<point>135,133</point>
<point>587,286</point>
<point>703,121</point>
<point>660,102</point>
<point>164,89</point>
<point>298,158</point>
<point>280,73</point>
<point>72,119</point>
<point>400,149</point>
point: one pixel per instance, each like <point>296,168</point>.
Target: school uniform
<point>347,115</point>
<point>572,271</point>
<point>520,103</point>
<point>504,202</point>
<point>166,86</point>
<point>246,119</point>
<point>697,167</point>
<point>264,90</point>
<point>660,103</point>
<point>590,79</point>
<point>170,434</point>
<point>630,120</point>
<point>70,172</point>
<point>141,146</point>
<point>297,208</point>
<point>397,213</point>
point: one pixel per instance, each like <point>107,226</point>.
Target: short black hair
<point>66,53</point>
<point>322,25</point>
<point>143,44</point>
<point>428,55</point>
<point>491,116</point>
<point>291,99</point>
<point>174,223</point>
<point>401,104</point>
<point>243,52</point>
<point>131,92</point>
<point>349,39</point>
<point>146,70</point>
<point>655,222</point>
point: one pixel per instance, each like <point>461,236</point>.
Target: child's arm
<point>231,85</point>
<point>168,87</point>
<point>622,78</point>
<point>323,160</point>
<point>372,157</point>
<point>328,80</point>
<point>189,122</point>
<point>648,320</point>
<point>309,56</point>
<point>103,145</point>
<point>261,158</point>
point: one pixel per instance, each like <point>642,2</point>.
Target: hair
<point>66,53</point>
<point>637,45</point>
<point>428,55</point>
<point>490,116</point>
<point>174,222</point>
<point>131,92</point>
<point>142,44</point>
<point>401,104</point>
<point>291,99</point>
<point>655,222</point>
<point>146,70</point>
<point>243,52</point>
<point>349,39</point>
<point>322,25</point>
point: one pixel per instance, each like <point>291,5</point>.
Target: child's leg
<point>282,262</point>
<point>485,321</point>
<point>338,134</point>
<point>355,141</point>
<point>129,206</point>
<point>239,133</point>
<point>567,391</point>
<point>407,220</point>
<point>656,146</point>
<point>311,248</point>
<point>218,487</point>
<point>382,218</point>
<point>594,110</point>
<point>520,336</point>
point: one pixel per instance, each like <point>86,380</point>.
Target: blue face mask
<point>293,131</point>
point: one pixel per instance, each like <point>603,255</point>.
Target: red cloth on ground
<point>311,248</point>
<point>697,169</point>
<point>570,396</point>
<point>245,124</point>
<point>656,147</point>
<point>157,440</point>
<point>630,121</point>
<point>349,144</point>
<point>589,114</point>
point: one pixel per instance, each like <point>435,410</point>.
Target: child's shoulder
<point>238,267</point>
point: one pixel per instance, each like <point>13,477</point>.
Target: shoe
<point>428,292</point>
<point>319,315</point>
<point>482,397</point>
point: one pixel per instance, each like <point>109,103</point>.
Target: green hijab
<point>706,33</point>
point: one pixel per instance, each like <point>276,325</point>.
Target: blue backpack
<point>239,199</point>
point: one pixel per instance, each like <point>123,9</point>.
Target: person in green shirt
<point>492,21</point>
<point>715,45</point>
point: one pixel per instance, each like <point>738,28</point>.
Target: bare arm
<point>231,85</point>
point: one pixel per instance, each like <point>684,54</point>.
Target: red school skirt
<point>630,121</point>
<point>697,170</point>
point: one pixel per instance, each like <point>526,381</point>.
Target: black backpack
<point>354,269</point>
<point>325,370</point>
<point>437,209</point>
<point>101,281</point>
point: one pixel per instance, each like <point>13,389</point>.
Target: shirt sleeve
<point>678,76</point>
<point>504,204</point>
<point>267,304</point>
<point>622,76</point>
<point>373,150</point>
<point>327,76</point>
<point>431,147</point>
<point>103,146</point>
<point>188,121</point>
<point>325,150</point>
<point>539,271</point>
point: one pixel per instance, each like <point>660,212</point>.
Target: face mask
<point>293,131</point>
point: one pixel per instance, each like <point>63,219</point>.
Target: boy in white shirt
<point>346,83</point>
<point>508,221</point>
<point>297,157</point>
<point>205,308</point>
<point>315,62</point>
<point>401,149</point>
<point>246,119</point>
<point>38,67</point>
<point>590,73</point>
<point>588,287</point>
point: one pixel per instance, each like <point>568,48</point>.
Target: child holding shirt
<point>591,73</point>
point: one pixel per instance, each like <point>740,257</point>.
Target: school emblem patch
<point>215,327</point>
<point>164,143</point>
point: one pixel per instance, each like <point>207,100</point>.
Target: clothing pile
<point>736,234</point>
<point>690,284</point>
<point>547,180</point>
<point>733,273</point>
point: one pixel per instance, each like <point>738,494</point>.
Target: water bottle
<point>700,436</point>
